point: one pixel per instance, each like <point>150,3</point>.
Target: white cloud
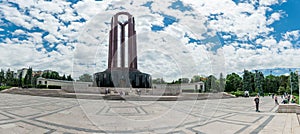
<point>269,43</point>
<point>50,38</point>
<point>274,17</point>
<point>292,35</point>
<point>242,19</point>
<point>270,2</point>
<point>19,32</point>
<point>82,46</point>
<point>13,15</point>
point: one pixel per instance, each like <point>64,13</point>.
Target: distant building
<point>15,75</point>
<point>37,73</point>
<point>22,71</point>
<point>44,81</point>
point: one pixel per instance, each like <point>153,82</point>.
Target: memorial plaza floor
<point>34,114</point>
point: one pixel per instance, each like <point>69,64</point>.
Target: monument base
<point>119,77</point>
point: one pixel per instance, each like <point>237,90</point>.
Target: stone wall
<point>288,108</point>
<point>43,81</point>
<point>183,86</point>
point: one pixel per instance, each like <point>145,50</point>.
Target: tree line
<point>254,82</point>
<point>12,79</point>
<point>259,83</point>
<point>55,75</point>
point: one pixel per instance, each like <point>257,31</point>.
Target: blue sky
<point>188,37</point>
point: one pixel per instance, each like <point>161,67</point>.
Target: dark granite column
<point>122,44</point>
<point>134,46</point>
<point>109,50</point>
<point>130,32</point>
<point>117,74</point>
<point>115,42</point>
<point>135,52</point>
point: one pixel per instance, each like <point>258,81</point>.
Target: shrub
<point>281,90</point>
<point>253,94</point>
<point>296,97</point>
<point>54,87</point>
<point>41,86</point>
<point>237,93</point>
<point>4,87</point>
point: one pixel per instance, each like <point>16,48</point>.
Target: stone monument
<point>122,68</point>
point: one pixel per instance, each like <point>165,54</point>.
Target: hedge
<point>41,86</point>
<point>237,93</point>
<point>54,87</point>
<point>253,94</point>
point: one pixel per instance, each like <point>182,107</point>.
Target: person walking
<point>256,100</point>
<point>106,91</point>
<point>276,100</point>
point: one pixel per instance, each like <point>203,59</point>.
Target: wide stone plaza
<point>35,114</point>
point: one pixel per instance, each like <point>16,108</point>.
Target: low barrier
<point>288,108</point>
<point>101,90</point>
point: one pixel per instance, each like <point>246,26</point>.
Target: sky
<point>175,38</point>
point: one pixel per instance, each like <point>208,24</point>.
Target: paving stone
<point>34,114</point>
<point>218,127</point>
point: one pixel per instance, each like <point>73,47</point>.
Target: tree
<point>28,77</point>
<point>9,78</point>
<point>196,78</point>
<point>69,78</point>
<point>25,81</point>
<point>177,81</point>
<point>283,80</point>
<point>34,79</point>
<point>64,77</point>
<point>158,81</point>
<point>20,82</point>
<point>233,83</point>
<point>221,83</point>
<point>248,81</point>
<point>2,77</point>
<point>54,75</point>
<point>86,78</point>
<point>294,81</point>
<point>185,80</point>
<point>258,80</point>
<point>282,90</point>
<point>46,75</point>
<point>271,84</point>
<point>210,83</point>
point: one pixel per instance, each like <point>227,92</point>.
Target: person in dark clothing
<point>256,100</point>
<point>276,100</point>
